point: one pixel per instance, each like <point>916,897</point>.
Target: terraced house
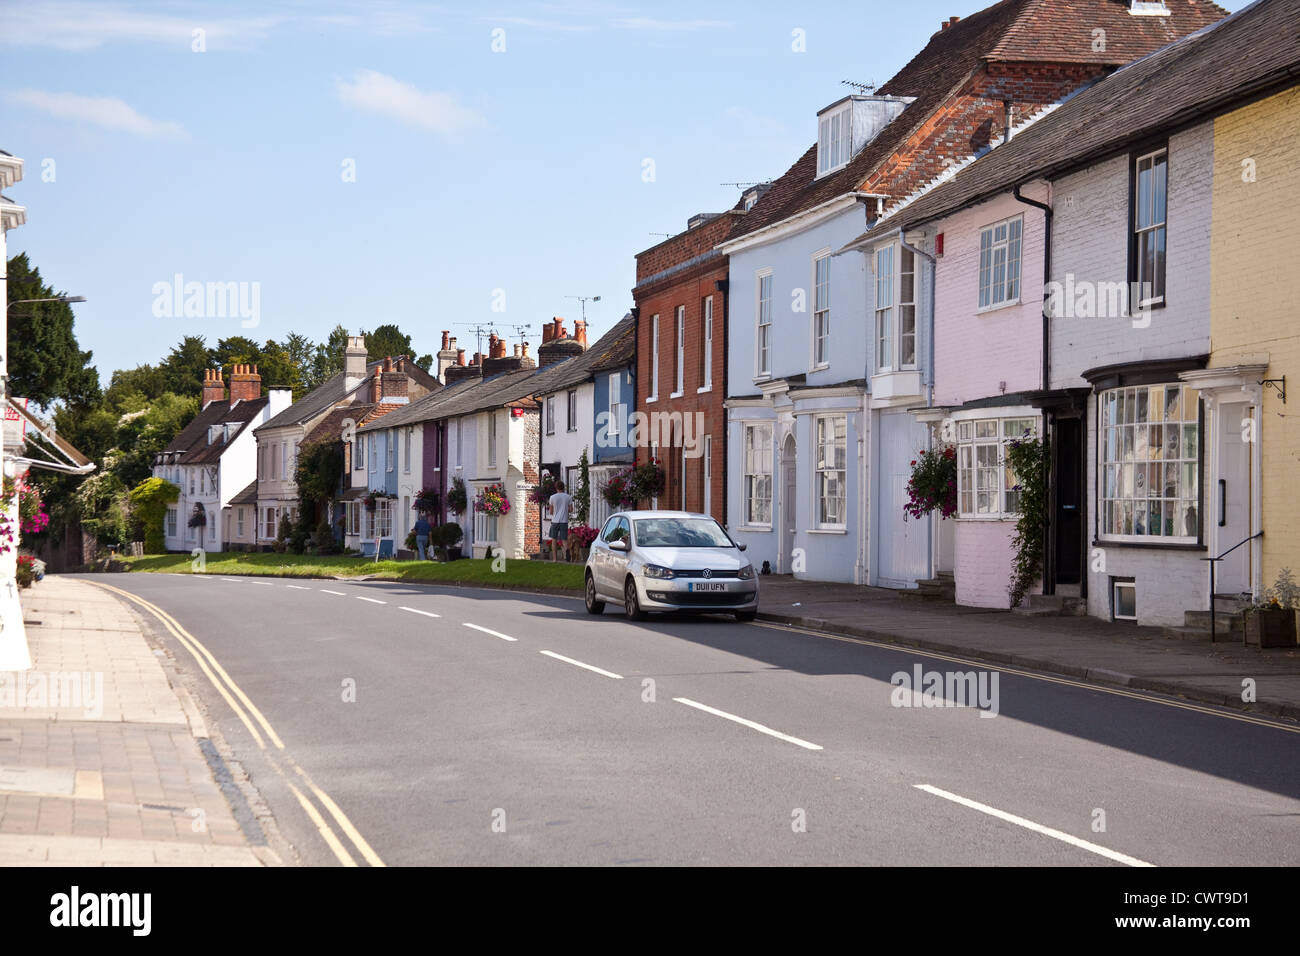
<point>830,366</point>
<point>1158,453</point>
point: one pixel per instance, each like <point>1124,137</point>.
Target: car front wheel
<point>746,615</point>
<point>594,604</point>
<point>632,606</point>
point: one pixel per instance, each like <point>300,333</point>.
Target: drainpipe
<point>929,385</point>
<point>1047,278</point>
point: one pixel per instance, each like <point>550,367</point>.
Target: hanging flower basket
<point>199,518</point>
<point>933,485</point>
<point>426,500</point>
<point>370,501</point>
<point>541,493</point>
<point>492,500</point>
<point>457,499</point>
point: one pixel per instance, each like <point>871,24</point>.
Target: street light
<point>57,298</point>
<point>4,332</point>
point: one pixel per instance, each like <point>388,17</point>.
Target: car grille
<point>704,599</point>
<point>699,574</point>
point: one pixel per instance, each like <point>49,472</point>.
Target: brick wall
<point>532,439</point>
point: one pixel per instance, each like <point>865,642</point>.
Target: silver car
<point>669,561</point>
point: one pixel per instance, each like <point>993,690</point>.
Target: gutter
<point>1047,278</point>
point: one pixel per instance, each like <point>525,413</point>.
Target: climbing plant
<point>582,494</point>
<point>149,501</point>
<point>1027,457</point>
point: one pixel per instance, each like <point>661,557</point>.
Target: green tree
<point>185,364</point>
<point>46,364</point>
<point>388,340</point>
<point>236,350</point>
<point>327,359</point>
<point>147,381</point>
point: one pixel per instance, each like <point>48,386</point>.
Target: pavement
<point>1142,658</point>
<point>443,725</point>
<point>103,760</point>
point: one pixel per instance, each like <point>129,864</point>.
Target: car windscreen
<point>680,533</point>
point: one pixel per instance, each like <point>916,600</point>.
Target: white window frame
<point>991,478</point>
<point>492,439</point>
<point>822,468</point>
<point>615,428</point>
<point>834,139</point>
<point>171,522</point>
<point>384,518</point>
<point>883,315</point>
<point>550,414</point>
<point>1156,226</point>
<point>654,359</point>
<point>571,410</point>
<point>679,353</point>
<point>408,434</point>
<point>755,467</point>
<point>239,522</point>
<point>708,475</point>
<point>706,331</point>
<point>1128,464</point>
<point>359,453</point>
<point>1011,247</point>
<point>390,441</point>
<point>821,309</point>
<point>763,324</point>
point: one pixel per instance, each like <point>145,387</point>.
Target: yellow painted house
<point>1255,332</point>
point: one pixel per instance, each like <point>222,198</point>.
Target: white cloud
<point>375,92</point>
<point>667,26</point>
<point>82,26</point>
<point>108,112</point>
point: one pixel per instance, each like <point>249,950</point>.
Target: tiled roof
<point>1253,50</point>
<point>333,390</point>
<point>192,441</point>
<point>330,428</point>
<point>1057,30</point>
<point>246,497</point>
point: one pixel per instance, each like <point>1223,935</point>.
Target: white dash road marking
<point>371,600</point>
<point>233,580</point>
<point>297,587</point>
<point>415,610</point>
<point>266,584</point>
<point>504,637</point>
<point>328,591</point>
<point>748,723</point>
<point>570,660</point>
<point>1036,827</point>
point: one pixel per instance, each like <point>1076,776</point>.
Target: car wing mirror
<point>618,545</point>
<point>741,547</point>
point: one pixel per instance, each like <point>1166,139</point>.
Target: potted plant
<point>580,538</point>
<point>449,537</point>
<point>1271,622</point>
<point>457,499</point>
<point>26,573</point>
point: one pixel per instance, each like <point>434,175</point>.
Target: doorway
<point>1231,495</point>
<point>788,510</point>
<point>1067,512</point>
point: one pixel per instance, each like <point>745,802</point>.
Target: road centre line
<point>371,600</point>
<point>235,580</point>
<point>1149,697</point>
<point>328,591</point>
<point>570,660</point>
<point>414,610</point>
<point>297,587</point>
<point>504,637</point>
<point>1035,827</point>
<point>754,725</point>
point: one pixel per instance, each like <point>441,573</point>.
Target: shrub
<point>325,537</point>
<point>149,501</point>
<point>582,535</point>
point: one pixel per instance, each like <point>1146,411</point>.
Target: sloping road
<point>516,729</point>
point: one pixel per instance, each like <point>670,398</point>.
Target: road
<point>514,729</point>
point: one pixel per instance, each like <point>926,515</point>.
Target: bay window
<point>1149,460</point>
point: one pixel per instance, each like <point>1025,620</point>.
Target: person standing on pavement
<point>421,530</point>
<point>559,504</point>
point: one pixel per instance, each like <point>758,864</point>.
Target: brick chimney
<point>557,346</point>
<point>446,355</point>
<point>354,362</point>
<point>389,382</point>
<point>245,384</point>
<point>214,386</point>
<point>580,332</point>
<point>460,371</point>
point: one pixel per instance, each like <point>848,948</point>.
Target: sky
<point>439,167</point>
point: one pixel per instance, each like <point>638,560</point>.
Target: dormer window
<point>834,139</point>
<point>1148,8</point>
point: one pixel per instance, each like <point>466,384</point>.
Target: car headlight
<point>746,573</point>
<point>655,571</point>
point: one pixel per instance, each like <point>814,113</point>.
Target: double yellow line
<point>253,719</point>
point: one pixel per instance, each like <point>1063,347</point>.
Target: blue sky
<point>475,170</point>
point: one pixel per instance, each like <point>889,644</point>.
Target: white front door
<point>1231,495</point>
<point>788,510</point>
<point>902,543</point>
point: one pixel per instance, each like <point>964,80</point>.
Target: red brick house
<point>681,348</point>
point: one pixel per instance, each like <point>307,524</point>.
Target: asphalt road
<point>463,747</point>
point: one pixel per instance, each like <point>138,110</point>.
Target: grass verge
<point>473,572</point>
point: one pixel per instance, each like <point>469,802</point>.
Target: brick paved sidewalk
<point>102,762</point>
<point>1143,658</point>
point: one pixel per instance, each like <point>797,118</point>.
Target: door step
<point>1053,605</point>
<point>942,588</point>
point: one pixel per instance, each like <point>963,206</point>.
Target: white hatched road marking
<point>570,660</point>
<point>504,637</point>
<point>748,723</point>
<point>415,610</point>
<point>1036,827</point>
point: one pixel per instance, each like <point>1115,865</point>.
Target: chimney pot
<point>445,333</point>
<point>524,350</point>
<point>460,356</point>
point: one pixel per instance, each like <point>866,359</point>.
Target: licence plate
<point>706,586</point>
